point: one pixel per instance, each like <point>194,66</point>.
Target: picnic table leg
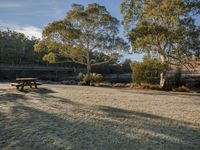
<point>18,85</point>
<point>30,84</point>
<point>35,84</point>
<point>22,88</point>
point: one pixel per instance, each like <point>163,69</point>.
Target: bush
<point>181,89</point>
<point>97,77</point>
<point>146,86</point>
<point>147,71</point>
<point>80,76</point>
<point>92,78</point>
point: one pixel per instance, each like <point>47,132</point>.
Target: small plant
<point>80,76</point>
<point>97,77</point>
<point>90,78</point>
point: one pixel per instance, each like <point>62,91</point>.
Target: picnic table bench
<point>21,82</point>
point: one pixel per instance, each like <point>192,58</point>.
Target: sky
<point>31,16</point>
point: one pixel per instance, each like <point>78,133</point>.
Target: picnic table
<point>21,82</point>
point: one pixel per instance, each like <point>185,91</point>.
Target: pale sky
<point>31,16</point>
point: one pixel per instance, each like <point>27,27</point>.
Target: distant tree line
<point>16,48</point>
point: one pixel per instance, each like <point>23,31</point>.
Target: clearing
<point>77,117</point>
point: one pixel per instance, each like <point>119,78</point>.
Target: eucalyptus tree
<point>80,34</point>
<point>165,27</point>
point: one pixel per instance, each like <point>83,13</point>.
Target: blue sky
<point>31,16</point>
<point>36,14</point>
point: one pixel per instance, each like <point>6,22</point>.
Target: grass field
<point>75,117</point>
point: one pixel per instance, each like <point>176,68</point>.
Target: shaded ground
<point>74,117</point>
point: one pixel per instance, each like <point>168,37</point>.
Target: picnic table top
<point>26,79</point>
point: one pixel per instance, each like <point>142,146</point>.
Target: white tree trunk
<point>88,64</point>
<point>162,74</point>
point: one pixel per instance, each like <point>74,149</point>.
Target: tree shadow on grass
<point>187,133</point>
<point>11,97</point>
<point>44,91</point>
<point>23,96</point>
<point>99,127</point>
<point>40,130</point>
<point>27,127</point>
<point>117,112</point>
<point>151,92</point>
<point>38,90</point>
<point>43,95</point>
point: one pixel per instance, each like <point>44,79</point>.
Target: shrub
<point>181,89</point>
<point>97,77</point>
<point>80,76</point>
<point>92,78</point>
<point>147,71</point>
<point>145,86</point>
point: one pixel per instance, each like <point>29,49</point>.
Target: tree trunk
<point>178,76</point>
<point>88,68</point>
<point>87,80</point>
<point>88,64</point>
<point>163,73</point>
<point>162,79</point>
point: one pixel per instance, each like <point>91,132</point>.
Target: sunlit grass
<point>74,117</point>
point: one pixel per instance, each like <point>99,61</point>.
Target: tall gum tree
<point>83,32</point>
<point>165,27</point>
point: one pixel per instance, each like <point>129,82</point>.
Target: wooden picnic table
<point>21,82</point>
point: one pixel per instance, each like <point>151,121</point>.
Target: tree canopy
<point>83,33</point>
<point>16,48</point>
<point>163,27</point>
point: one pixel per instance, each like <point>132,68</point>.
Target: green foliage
<point>97,77</point>
<point>90,78</point>
<point>83,33</point>
<point>164,27</point>
<point>80,76</point>
<point>50,57</point>
<point>16,48</point>
<point>147,71</point>
<point>101,58</point>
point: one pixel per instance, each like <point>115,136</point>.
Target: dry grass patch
<point>74,117</point>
